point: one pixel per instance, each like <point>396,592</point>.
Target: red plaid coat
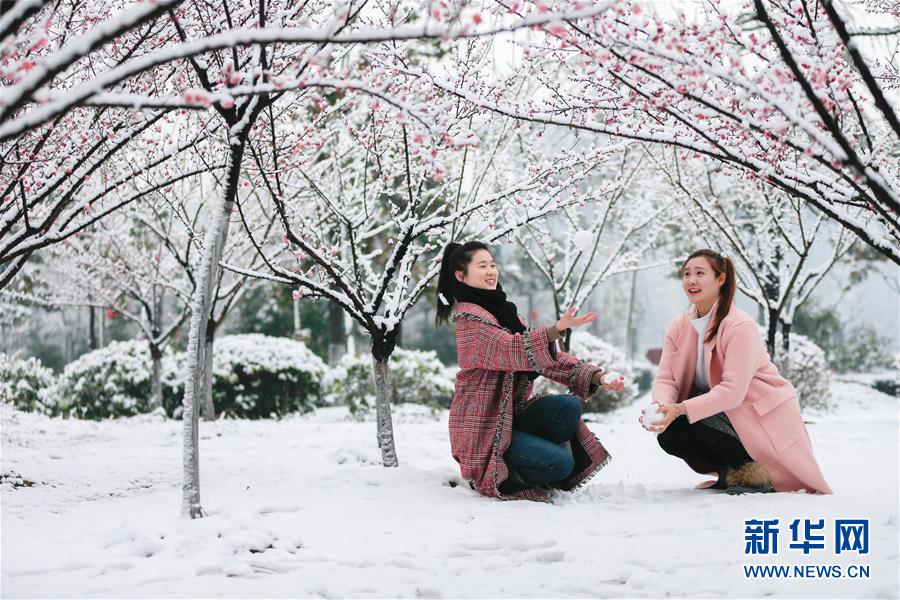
<point>491,387</point>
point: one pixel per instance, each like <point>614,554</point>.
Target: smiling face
<point>481,273</point>
<point>700,283</point>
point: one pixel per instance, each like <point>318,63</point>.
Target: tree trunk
<point>630,341</point>
<point>770,334</point>
<point>212,253</point>
<point>785,348</point>
<point>92,328</point>
<point>298,324</point>
<point>155,377</point>
<point>207,408</point>
<point>68,349</point>
<point>772,291</point>
<point>348,328</point>
<point>381,352</point>
<point>398,340</point>
<point>337,333</point>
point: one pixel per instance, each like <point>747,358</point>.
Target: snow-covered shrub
<point>254,376</point>
<point>420,377</point>
<point>350,382</point>
<point>415,376</point>
<point>889,382</point>
<point>595,351</point>
<point>113,381</point>
<point>862,351</point>
<point>807,369</point>
<point>644,375</point>
<point>890,385</point>
<point>25,383</point>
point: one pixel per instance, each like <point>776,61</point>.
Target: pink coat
<point>761,404</point>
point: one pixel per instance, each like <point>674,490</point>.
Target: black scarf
<point>495,302</point>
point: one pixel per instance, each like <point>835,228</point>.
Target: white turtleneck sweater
<point>701,377</point>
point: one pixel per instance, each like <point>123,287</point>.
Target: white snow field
<point>301,508</point>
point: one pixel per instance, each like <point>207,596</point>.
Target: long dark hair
<point>720,264</point>
<point>456,258</point>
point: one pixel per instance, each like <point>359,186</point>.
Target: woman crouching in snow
<point>723,407</point>
<point>507,444</point>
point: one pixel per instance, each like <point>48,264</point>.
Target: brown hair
<point>720,264</point>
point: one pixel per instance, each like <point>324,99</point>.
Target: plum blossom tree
<point>239,60</point>
<point>580,246</point>
<point>140,263</point>
<point>132,265</point>
<point>60,175</point>
<point>56,185</point>
<point>782,90</point>
<point>369,199</point>
<point>771,236</point>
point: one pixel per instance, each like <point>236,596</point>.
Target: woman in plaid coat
<point>508,444</point>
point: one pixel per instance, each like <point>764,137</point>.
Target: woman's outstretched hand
<point>614,382</point>
<point>570,320</point>
<point>613,385</point>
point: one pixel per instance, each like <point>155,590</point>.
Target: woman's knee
<point>665,440</point>
<point>554,418</point>
<point>539,461</point>
<point>557,467</point>
<point>566,418</point>
<point>672,440</point>
<point>563,465</point>
<point>569,408</point>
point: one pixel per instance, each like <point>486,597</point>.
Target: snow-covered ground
<point>301,508</point>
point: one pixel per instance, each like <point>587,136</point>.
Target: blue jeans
<point>535,452</point>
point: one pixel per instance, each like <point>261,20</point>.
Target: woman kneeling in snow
<point>508,444</point>
<point>723,407</point>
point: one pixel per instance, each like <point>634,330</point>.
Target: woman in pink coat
<point>507,443</point>
<point>723,407</point>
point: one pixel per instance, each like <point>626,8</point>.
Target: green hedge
<point>254,376</point>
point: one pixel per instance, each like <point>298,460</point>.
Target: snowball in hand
<point>650,417</point>
<point>610,377</point>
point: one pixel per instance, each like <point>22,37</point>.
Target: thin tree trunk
<point>67,337</point>
<point>92,327</point>
<point>399,329</point>
<point>298,324</point>
<point>629,326</point>
<point>337,333</point>
<point>207,408</point>
<point>212,253</point>
<point>385,430</point>
<point>785,347</point>
<point>155,377</point>
<point>770,334</point>
<point>348,328</point>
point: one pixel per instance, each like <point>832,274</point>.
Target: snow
<point>583,240</point>
<point>650,415</point>
<point>610,377</point>
<point>223,40</point>
<point>301,507</point>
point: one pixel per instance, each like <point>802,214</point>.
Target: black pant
<point>703,448</point>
